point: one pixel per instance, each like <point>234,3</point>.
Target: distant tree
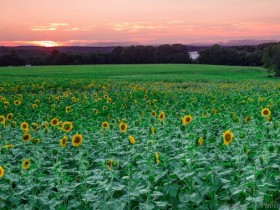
<point>213,55</point>
<point>61,59</point>
<point>12,59</point>
<point>114,57</point>
<point>179,54</point>
<point>271,59</point>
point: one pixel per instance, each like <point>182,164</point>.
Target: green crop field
<point>156,72</point>
<point>139,137</point>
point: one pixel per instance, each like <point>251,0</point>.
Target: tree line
<point>267,55</point>
<point>176,53</point>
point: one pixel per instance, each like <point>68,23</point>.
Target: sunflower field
<point>86,144</point>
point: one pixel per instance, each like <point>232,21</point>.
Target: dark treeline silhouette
<point>176,53</point>
<point>234,56</point>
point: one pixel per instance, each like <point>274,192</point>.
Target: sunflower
<point>34,106</point>
<point>35,126</point>
<point>123,127</point>
<point>96,111</point>
<point>186,119</point>
<point>26,137</point>
<point>2,171</point>
<point>25,164</point>
<point>156,156</point>
<point>24,126</point>
<point>266,112</point>
<point>77,140</point>
<point>154,113</point>
<point>8,146</point>
<point>200,141</point>
<point>2,119</point>
<point>17,102</point>
<point>35,141</point>
<point>105,125</point>
<point>6,104</point>
<point>247,119</point>
<point>161,116</point>
<point>67,126</point>
<point>131,140</point>
<point>68,109</point>
<point>45,125</point>
<point>152,130</point>
<point>109,164</point>
<point>54,122</point>
<point>74,99</point>
<point>227,136</point>
<point>14,124</point>
<point>63,141</point>
<point>10,116</point>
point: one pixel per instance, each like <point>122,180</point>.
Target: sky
<point>97,22</point>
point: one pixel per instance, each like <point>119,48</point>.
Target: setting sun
<point>45,43</point>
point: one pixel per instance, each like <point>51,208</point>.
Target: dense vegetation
<point>177,53</point>
<point>71,141</point>
<point>271,59</point>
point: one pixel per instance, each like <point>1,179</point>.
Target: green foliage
<point>271,59</point>
<point>107,172</point>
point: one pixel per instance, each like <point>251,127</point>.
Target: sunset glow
<point>91,22</point>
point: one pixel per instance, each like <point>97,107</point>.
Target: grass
<point>156,72</point>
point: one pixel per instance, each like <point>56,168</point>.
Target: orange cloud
<point>136,26</point>
<point>50,27</point>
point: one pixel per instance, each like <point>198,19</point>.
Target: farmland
<point>139,137</point>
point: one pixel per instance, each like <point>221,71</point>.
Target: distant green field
<point>158,72</point>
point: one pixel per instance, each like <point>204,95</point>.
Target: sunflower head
<point>152,130</point>
<point>247,119</point>
<point>186,119</point>
<point>123,127</point>
<point>161,116</point>
<point>200,141</point>
<point>68,109</point>
<point>6,104</point>
<point>2,119</point>
<point>77,140</point>
<point>25,164</point>
<point>227,136</point>
<point>109,164</point>
<point>96,111</point>
<point>67,126</point>
<point>154,113</point>
<point>35,141</point>
<point>26,137</point>
<point>2,172</point>
<point>156,156</point>
<point>73,99</point>
<point>54,122</point>
<point>35,126</point>
<point>63,141</point>
<point>266,112</point>
<point>17,102</point>
<point>10,116</point>
<point>105,125</point>
<point>131,140</point>
<point>24,126</point>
